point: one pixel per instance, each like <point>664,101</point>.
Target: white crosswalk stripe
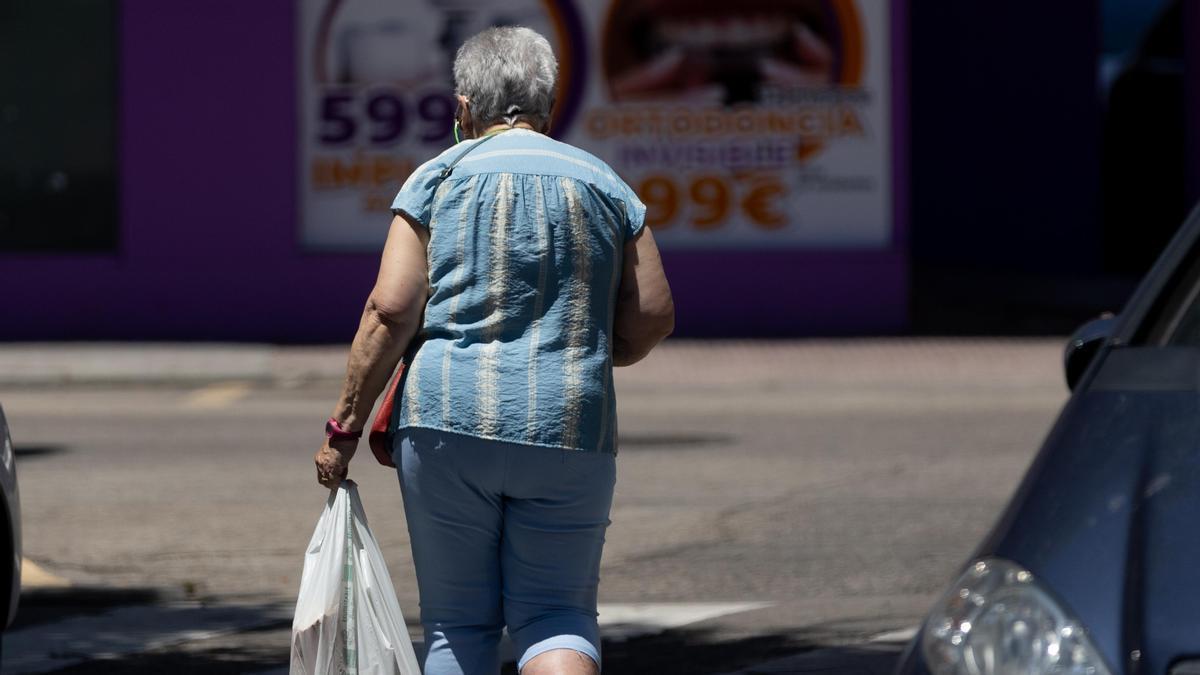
<point>632,620</point>
<point>901,636</point>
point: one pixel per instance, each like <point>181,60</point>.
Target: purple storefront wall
<point>209,235</point>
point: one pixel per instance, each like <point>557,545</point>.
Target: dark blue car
<point>1094,567</point>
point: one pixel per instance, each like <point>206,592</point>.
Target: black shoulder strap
<point>450,169</point>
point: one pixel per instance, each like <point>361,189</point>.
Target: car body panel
<point>1106,515</point>
<point>1099,520</point>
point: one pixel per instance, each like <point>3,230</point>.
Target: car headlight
<point>997,620</point>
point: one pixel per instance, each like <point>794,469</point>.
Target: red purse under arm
<point>380,439</point>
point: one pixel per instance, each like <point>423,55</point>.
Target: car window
<point>1187,328</point>
<point>1177,320</point>
<point>1171,317</point>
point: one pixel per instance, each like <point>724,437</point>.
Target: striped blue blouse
<point>525,247</point>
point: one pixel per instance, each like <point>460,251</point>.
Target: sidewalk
<point>156,363</point>
<point>849,362</point>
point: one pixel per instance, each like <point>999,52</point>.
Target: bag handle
<point>450,168</point>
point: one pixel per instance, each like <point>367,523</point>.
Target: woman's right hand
<point>333,462</point>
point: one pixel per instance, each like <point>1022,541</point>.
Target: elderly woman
<point>516,274</point>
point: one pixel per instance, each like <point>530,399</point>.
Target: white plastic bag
<point>347,617</point>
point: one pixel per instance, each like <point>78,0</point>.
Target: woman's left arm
<point>389,321</point>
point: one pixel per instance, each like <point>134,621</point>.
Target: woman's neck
<point>496,128</point>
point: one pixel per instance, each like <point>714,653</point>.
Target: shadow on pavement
<point>101,630</point>
<point>74,626</point>
<point>703,652</point>
<point>868,659</point>
<point>32,451</point>
<point>252,651</point>
<point>56,604</point>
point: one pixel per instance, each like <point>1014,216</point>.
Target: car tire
<point>7,570</point>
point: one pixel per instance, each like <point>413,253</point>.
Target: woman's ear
<point>464,116</point>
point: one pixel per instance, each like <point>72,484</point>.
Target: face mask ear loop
<point>457,139</point>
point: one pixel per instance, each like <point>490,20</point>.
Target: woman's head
<point>506,74</point>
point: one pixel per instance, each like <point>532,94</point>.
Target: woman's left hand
<point>333,462</point>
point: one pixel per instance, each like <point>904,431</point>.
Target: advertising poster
<point>761,124</point>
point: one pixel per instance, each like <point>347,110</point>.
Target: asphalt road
<point>772,498</point>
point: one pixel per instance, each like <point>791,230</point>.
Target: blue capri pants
<point>503,535</point>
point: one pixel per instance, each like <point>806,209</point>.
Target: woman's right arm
<point>645,312</point>
<point>389,321</point>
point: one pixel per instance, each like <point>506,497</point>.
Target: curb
<point>60,364</point>
<point>34,577</point>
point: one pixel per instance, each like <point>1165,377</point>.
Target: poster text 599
<point>383,117</point>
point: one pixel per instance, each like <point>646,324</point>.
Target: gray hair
<point>506,72</point>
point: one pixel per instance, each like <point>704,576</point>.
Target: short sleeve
<point>635,213</point>
<point>415,198</point>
